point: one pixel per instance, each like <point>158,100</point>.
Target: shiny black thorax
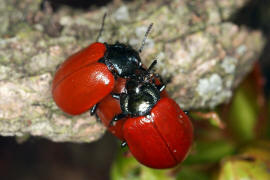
<point>140,98</point>
<point>122,60</point>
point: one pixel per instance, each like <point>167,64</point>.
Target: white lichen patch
<point>214,16</point>
<point>82,121</point>
<point>60,120</point>
<point>89,133</point>
<point>39,128</point>
<point>6,129</point>
<point>209,87</point>
<point>66,21</point>
<point>205,66</point>
<point>223,96</point>
<point>241,50</point>
<point>191,49</point>
<point>183,58</point>
<point>197,45</point>
<point>10,94</point>
<point>55,51</point>
<point>229,64</point>
<point>122,14</point>
<point>39,62</point>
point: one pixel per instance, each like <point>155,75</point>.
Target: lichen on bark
<point>203,54</point>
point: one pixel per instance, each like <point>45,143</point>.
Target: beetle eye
<point>134,59</point>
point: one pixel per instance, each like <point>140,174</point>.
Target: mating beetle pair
<point>131,100</point>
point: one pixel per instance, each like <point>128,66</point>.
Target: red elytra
<point>164,140</point>
<point>81,81</point>
<point>109,107</point>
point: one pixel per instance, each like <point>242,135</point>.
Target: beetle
<point>89,75</point>
<point>162,139</point>
<point>158,133</point>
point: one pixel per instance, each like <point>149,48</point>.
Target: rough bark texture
<point>203,54</point>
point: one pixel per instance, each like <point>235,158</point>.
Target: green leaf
<point>209,152</point>
<point>128,168</point>
<point>268,123</point>
<point>243,114</point>
<point>190,174</point>
<point>253,163</point>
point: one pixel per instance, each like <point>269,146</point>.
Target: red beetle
<point>158,133</point>
<point>89,75</point>
<point>161,140</point>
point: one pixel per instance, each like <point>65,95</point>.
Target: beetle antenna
<point>102,26</point>
<point>145,36</point>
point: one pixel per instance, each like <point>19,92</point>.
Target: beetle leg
<point>160,79</point>
<point>152,65</point>
<point>186,112</point>
<point>123,144</point>
<point>162,85</point>
<point>161,88</point>
<point>116,96</point>
<point>93,110</point>
<point>154,81</point>
<point>116,118</point>
<point>98,119</point>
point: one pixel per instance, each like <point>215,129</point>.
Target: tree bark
<point>201,54</point>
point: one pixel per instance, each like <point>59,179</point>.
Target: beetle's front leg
<point>93,109</point>
<point>116,118</point>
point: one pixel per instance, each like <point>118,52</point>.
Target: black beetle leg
<point>161,88</point>
<point>98,119</point>
<point>116,96</point>
<point>116,118</point>
<point>186,112</point>
<point>152,65</point>
<point>160,78</point>
<point>123,144</point>
<point>154,81</point>
<point>93,109</point>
